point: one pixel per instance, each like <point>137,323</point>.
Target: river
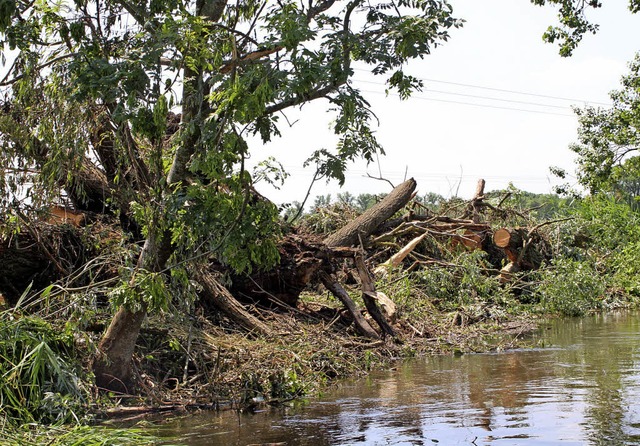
<point>582,386</point>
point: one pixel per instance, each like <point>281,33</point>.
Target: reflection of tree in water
<point>587,378</point>
<point>609,359</point>
<point>581,391</point>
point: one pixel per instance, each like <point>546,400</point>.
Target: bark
<point>366,223</point>
<point>113,361</point>
<point>112,366</point>
<point>368,292</point>
<point>224,301</point>
<point>301,257</point>
<point>341,294</point>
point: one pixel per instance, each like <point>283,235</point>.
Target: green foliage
<point>466,286</point>
<point>610,223</point>
<point>89,97</point>
<point>571,287</point>
<point>74,436</point>
<point>537,207</point>
<point>40,381</point>
<point>608,138</point>
<point>573,23</point>
<point>572,18</point>
<point>625,264</point>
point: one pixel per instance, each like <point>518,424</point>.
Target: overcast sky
<point>497,105</point>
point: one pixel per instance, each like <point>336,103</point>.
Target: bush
<point>570,287</point>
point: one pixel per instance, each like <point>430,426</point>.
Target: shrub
<point>570,287</point>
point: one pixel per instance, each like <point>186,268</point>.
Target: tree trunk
<point>366,223</point>
<point>224,300</point>
<point>112,366</point>
<point>115,350</point>
<point>341,294</point>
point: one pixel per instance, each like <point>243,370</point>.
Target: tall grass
<point>39,378</point>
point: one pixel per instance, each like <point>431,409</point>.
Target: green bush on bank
<point>44,392</point>
<point>570,287</point>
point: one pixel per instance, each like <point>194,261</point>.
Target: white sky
<point>447,146</point>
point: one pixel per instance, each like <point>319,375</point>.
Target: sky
<point>496,105</point>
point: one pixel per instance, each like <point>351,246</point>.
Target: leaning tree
<point>143,109</point>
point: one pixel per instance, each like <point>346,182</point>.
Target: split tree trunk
<point>370,298</point>
<point>350,234</point>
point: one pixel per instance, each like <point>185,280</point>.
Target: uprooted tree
<point>142,110</point>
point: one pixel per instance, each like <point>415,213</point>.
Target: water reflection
<point>584,388</point>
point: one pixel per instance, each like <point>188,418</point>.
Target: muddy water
<point>582,387</point>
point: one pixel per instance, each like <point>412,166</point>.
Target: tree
<point>142,109</point>
<point>573,22</point>
<point>609,140</point>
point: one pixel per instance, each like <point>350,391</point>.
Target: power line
<point>476,105</point>
<point>513,101</point>
<point>460,84</point>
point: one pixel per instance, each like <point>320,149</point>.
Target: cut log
<point>525,249</point>
<point>510,237</point>
<point>366,223</point>
<point>341,294</point>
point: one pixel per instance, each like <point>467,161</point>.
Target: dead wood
<point>218,295</point>
<point>368,291</point>
<point>396,259</point>
<point>39,255</point>
<point>525,248</point>
<point>366,223</point>
<point>341,294</point>
<point>474,208</point>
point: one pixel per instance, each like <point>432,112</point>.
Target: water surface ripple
<point>583,389</point>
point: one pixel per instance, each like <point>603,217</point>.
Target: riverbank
<point>580,386</point>
<point>447,299</point>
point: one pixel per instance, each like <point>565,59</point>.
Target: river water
<point>582,387</point>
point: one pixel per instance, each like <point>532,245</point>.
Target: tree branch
<point>15,79</point>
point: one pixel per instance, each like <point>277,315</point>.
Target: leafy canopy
<point>573,22</point>
<point>609,140</point>
<point>143,107</point>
